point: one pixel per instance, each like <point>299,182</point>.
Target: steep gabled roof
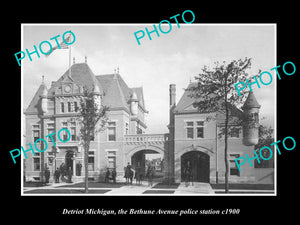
<point>114,96</point>
<point>185,104</point>
<point>82,75</point>
<point>116,92</point>
<point>33,106</point>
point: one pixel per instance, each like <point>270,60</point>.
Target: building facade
<point>196,139</point>
<point>124,140</point>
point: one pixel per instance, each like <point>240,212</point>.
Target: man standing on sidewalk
<point>47,175</point>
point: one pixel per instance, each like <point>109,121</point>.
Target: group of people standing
<point>139,174</point>
<point>65,173</point>
<point>62,172</point>
<point>110,175</point>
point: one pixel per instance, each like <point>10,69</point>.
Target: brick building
<point>190,138</point>
<point>194,139</point>
<point>55,108</point>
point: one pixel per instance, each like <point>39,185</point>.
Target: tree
<point>92,119</point>
<point>215,93</point>
<point>266,137</point>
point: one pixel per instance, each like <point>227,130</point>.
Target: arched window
<point>62,107</point>
<point>69,106</point>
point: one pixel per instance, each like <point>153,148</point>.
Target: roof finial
<point>115,74</point>
<point>73,60</point>
<point>85,59</point>
<point>43,78</point>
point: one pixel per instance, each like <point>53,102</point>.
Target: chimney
<point>172,95</point>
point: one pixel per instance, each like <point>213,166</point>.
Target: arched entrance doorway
<point>199,162</point>
<point>141,159</point>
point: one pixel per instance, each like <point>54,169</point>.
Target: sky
<point>172,58</point>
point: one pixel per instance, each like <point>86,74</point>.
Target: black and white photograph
<point>158,126</point>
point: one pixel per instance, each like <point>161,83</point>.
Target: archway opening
<point>199,166</point>
<point>141,160</point>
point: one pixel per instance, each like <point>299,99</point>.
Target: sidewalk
<point>197,188</point>
<point>121,189</point>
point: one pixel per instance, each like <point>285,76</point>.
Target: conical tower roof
<point>251,102</point>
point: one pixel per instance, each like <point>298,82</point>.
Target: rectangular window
<point>35,127</point>
<point>63,134</point>
<point>91,161</point>
<point>36,135</point>
<point>76,106</point>
<point>62,107</point>
<point>36,164</point>
<point>111,130</point>
<point>200,129</point>
<point>69,106</point>
<point>234,132</point>
<point>111,158</point>
<point>138,128</point>
<point>50,125</point>
<point>50,158</point>
<point>190,130</point>
<point>234,171</point>
<point>190,133</point>
<point>73,133</point>
<point>50,131</point>
<point>194,129</point>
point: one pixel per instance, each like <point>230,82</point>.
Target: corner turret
<point>97,96</point>
<point>251,123</point>
<point>43,97</point>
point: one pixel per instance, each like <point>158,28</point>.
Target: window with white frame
<point>69,107</point>
<point>50,130</point>
<point>234,132</point>
<point>76,107</point>
<point>36,132</point>
<point>112,131</point>
<point>200,129</point>
<point>111,159</point>
<point>62,107</point>
<point>190,130</point>
<point>36,163</point>
<point>64,132</point>
<point>91,161</point>
<point>194,129</point>
<point>234,171</point>
<point>50,158</point>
